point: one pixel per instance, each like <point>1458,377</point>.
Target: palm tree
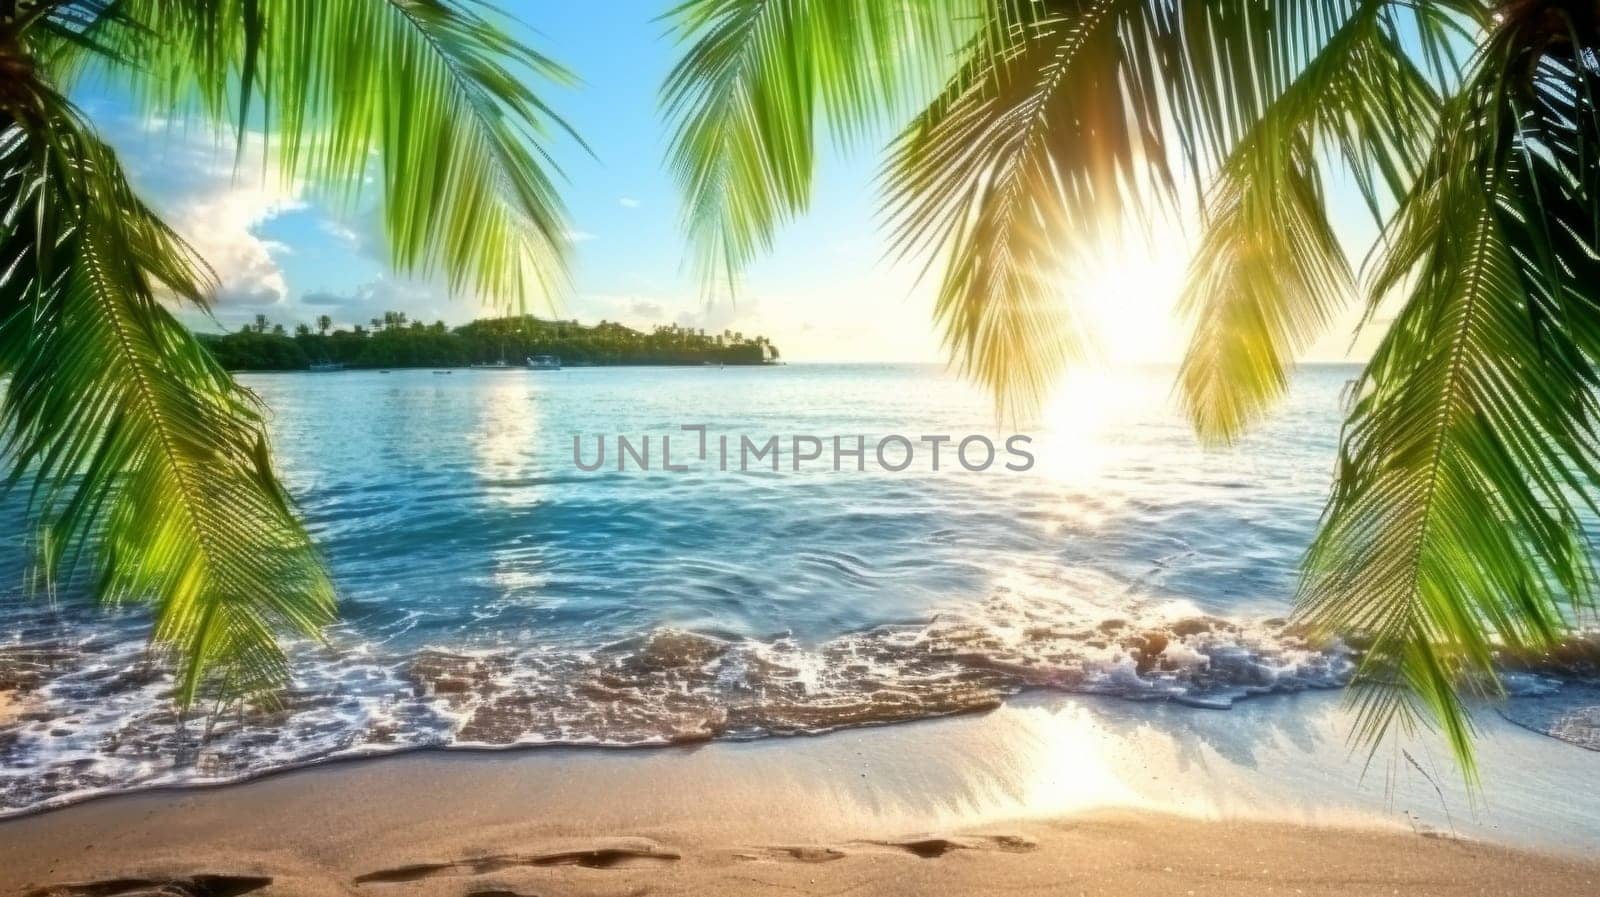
<point>324,324</point>
<point>1032,130</point>
<point>146,459</point>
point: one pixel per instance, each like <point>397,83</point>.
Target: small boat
<point>544,363</point>
<point>319,367</point>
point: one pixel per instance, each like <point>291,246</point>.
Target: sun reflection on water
<point>506,435</point>
<point>1081,443</point>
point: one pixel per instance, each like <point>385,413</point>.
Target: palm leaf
<point>1070,120</point>
<point>1021,155</point>
<point>1270,274</point>
<point>137,446</point>
<point>135,441</point>
<point>758,78</point>
<point>1454,529</point>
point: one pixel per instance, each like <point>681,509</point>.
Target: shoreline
<point>1061,790</point>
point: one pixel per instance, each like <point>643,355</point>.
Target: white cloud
<point>717,315</point>
<point>189,178</point>
<point>579,236</point>
<point>346,235</point>
<point>628,202</point>
<point>221,225</point>
<point>646,310</point>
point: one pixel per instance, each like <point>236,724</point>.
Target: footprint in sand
<point>596,858</point>
<point>933,848</point>
<point>804,854</point>
<point>187,886</point>
<point>926,848</point>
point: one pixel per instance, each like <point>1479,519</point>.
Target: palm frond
<point>1454,525</point>
<point>1270,274</point>
<point>1027,149</point>
<point>435,93</point>
<point>759,78</point>
<point>64,34</point>
<point>138,447</point>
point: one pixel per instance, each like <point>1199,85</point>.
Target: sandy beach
<point>1044,796</point>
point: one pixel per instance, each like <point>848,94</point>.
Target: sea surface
<point>493,593</point>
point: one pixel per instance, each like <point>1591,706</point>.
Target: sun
<point>1126,298</point>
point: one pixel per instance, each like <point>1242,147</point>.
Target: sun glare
<point>1078,440</point>
<point>1126,297</point>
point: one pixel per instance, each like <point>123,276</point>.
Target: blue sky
<point>825,294</point>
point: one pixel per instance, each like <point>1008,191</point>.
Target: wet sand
<point>1057,796</point>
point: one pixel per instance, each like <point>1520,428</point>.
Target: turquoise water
<point>450,507</point>
<point>494,593</point>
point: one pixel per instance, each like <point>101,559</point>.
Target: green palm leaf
<point>143,455</point>
<point>437,94</point>
<point>136,441</point>
<point>1069,120</point>
<point>759,76</point>
<point>1270,274</point>
<point>1454,529</point>
<point>990,178</point>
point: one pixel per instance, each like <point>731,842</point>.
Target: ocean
<point>494,592</point>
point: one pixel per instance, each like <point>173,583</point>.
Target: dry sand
<point>1097,854</point>
<point>1053,798</point>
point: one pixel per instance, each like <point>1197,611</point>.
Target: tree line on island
<point>394,341</point>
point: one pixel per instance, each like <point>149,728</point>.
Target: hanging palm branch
<point>436,91</point>
<point>1056,119</point>
<point>137,443</point>
<point>1270,275</point>
<point>983,178</point>
<point>1454,526</point>
<point>759,76</point>
<point>142,457</point>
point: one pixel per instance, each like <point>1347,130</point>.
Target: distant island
<point>393,341</point>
